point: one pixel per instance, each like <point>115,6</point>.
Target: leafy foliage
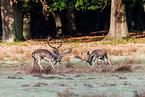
<point>52,5</point>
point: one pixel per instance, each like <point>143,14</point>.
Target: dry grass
<point>124,68</point>
<point>36,69</point>
<point>13,57</point>
<point>132,61</point>
<point>66,58</point>
<point>2,55</point>
<point>69,68</point>
<point>21,52</point>
<point>26,56</point>
<point>69,65</point>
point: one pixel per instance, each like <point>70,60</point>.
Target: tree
<point>70,26</point>
<point>58,23</point>
<point>138,15</point>
<point>18,20</point>
<point>58,7</point>
<point>26,27</point>
<point>8,34</point>
<point>66,22</point>
<point>12,21</point>
<point>118,23</point>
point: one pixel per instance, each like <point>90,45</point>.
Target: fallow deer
<point>52,56</point>
<point>92,58</point>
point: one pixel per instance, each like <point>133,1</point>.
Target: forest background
<point>36,19</point>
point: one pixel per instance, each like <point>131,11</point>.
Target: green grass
<point>99,84</point>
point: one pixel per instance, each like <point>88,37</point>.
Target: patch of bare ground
<point>69,93</point>
<point>66,93</point>
<point>36,69</point>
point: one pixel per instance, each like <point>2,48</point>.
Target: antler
<point>80,57</point>
<point>59,45</point>
<point>48,39</point>
<point>61,42</point>
<point>68,50</point>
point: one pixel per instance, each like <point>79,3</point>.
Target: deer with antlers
<point>50,56</point>
<point>92,58</point>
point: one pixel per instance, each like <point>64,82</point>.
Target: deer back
<point>98,53</point>
<point>42,53</point>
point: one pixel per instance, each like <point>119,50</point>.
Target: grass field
<point>74,78</point>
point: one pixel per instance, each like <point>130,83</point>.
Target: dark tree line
<point>86,21</point>
<point>42,18</point>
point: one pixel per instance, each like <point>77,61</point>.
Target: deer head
<point>61,55</point>
<point>84,59</point>
<point>55,50</point>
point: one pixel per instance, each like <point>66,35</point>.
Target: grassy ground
<point>74,78</point>
<point>98,85</point>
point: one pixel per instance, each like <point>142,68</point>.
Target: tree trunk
<point>26,27</point>
<point>58,23</point>
<point>118,23</point>
<point>70,22</point>
<point>7,21</point>
<point>18,20</point>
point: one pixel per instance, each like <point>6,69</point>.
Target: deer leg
<point>49,62</point>
<point>40,64</point>
<point>108,60</point>
<point>97,61</point>
<point>92,66</point>
<point>103,62</point>
<point>59,63</point>
<point>56,63</point>
<point>93,62</point>
<point>33,62</point>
